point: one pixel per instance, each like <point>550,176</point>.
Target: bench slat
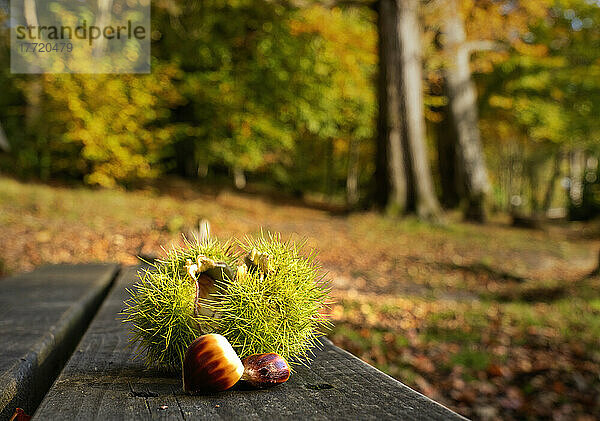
<point>103,381</point>
<point>43,315</point>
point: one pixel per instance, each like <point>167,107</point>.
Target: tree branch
<point>482,45</point>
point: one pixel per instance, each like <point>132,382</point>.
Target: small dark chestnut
<point>265,370</point>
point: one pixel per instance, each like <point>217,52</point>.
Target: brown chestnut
<point>264,370</point>
<point>210,365</point>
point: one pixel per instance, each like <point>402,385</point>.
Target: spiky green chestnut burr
<point>164,306</point>
<point>275,304</point>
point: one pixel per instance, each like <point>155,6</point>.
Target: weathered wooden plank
<point>102,381</point>
<point>43,315</point>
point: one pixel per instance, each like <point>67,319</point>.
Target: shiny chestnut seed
<point>210,365</point>
<point>264,370</point>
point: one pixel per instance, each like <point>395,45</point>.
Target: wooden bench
<point>43,314</point>
<point>103,381</point>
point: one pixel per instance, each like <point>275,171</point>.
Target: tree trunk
<point>4,145</point>
<point>185,158</point>
<point>33,91</point>
<point>549,195</point>
<point>328,173</point>
<point>446,150</point>
<point>462,102</point>
<point>576,173</point>
<point>239,178</point>
<point>409,34</point>
<point>390,176</point>
<point>352,174</point>
<point>103,19</point>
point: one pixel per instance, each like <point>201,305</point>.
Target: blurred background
<point>442,155</point>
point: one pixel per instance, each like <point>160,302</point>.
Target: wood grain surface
<point>104,381</point>
<point>43,315</point>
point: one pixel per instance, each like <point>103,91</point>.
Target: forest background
<point>441,154</point>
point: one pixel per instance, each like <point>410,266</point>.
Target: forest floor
<point>492,321</point>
